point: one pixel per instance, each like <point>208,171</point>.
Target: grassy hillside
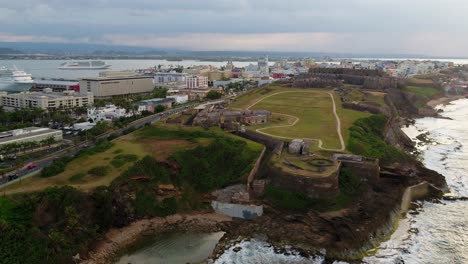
<point>91,170</point>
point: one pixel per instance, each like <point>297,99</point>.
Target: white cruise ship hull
<point>14,86</point>
<point>84,68</point>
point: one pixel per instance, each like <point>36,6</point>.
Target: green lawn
<point>312,107</point>
<point>425,93</point>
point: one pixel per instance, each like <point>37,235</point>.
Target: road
<point>24,172</point>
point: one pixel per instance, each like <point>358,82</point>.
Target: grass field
<point>158,141</point>
<point>364,96</point>
<point>425,93</point>
<point>312,107</point>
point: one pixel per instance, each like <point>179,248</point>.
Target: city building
<point>56,85</point>
<point>117,73</point>
<point>218,75</point>
<point>106,87</point>
<point>229,66</point>
<point>151,104</point>
<point>169,77</point>
<point>179,99</point>
<point>263,66</point>
<point>197,82</point>
<point>47,100</point>
<point>231,119</point>
<point>108,113</point>
<point>29,134</point>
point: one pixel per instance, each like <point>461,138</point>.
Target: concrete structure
<point>197,82</point>
<point>29,134</point>
<point>83,126</point>
<point>299,147</point>
<point>179,99</point>
<point>151,104</point>
<point>56,85</point>
<point>230,120</point>
<point>46,100</point>
<point>107,113</point>
<point>106,87</point>
<point>197,94</point>
<point>237,210</point>
<point>367,168</point>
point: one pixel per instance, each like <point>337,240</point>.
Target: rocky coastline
<point>347,234</point>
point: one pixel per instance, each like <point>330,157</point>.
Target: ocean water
<point>48,68</point>
<point>436,232</point>
<point>259,252</point>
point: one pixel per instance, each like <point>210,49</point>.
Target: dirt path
<point>297,119</point>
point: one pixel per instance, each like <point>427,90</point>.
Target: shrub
<point>287,199</point>
<point>99,171</point>
<point>213,95</point>
<point>100,146</point>
<point>77,177</point>
<point>149,167</point>
<point>366,139</point>
<point>209,167</point>
<point>56,167</point>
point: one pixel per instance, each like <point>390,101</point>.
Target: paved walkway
<point>297,119</point>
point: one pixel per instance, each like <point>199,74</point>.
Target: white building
<point>179,99</point>
<point>29,134</point>
<point>45,100</point>
<point>107,113</point>
<point>197,82</point>
<point>168,77</point>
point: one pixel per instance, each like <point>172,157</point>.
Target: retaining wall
<point>237,210</point>
<point>313,187</point>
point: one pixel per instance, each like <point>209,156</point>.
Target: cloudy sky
<point>430,27</point>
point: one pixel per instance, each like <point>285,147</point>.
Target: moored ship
<point>84,65</point>
<point>14,80</point>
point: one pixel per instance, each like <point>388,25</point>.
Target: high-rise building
<point>263,66</point>
<point>196,82</point>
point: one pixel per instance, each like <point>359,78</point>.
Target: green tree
<point>159,93</point>
<point>213,95</point>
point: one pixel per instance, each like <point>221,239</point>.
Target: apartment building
<point>47,100</point>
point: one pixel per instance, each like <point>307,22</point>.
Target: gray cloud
<point>389,21</point>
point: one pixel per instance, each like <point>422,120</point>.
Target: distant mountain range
<point>74,49</point>
<point>9,51</point>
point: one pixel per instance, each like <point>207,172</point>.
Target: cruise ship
<point>84,65</point>
<point>14,80</point>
